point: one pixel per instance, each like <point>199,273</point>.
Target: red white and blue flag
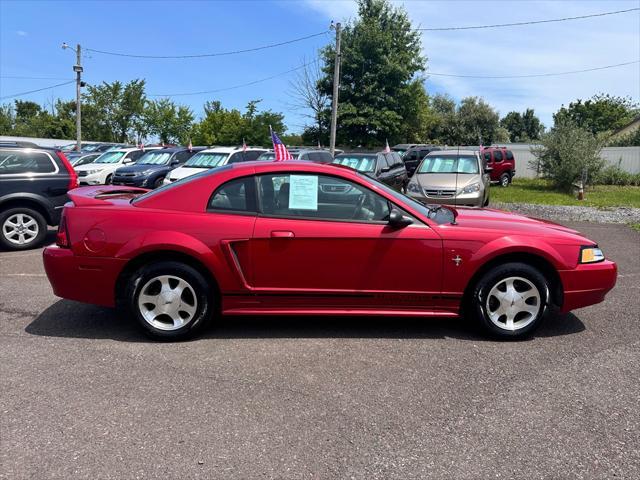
<point>279,148</point>
<point>386,147</point>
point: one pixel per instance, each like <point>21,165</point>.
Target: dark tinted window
<point>307,195</point>
<point>304,156</point>
<point>236,195</point>
<point>497,156</point>
<point>252,155</point>
<point>424,153</point>
<point>17,161</point>
<point>134,155</point>
<point>183,156</point>
<point>509,155</point>
<point>383,161</point>
<point>487,156</point>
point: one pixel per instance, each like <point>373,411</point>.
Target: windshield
<point>207,160</point>
<point>68,148</point>
<point>449,164</point>
<point>91,147</point>
<point>154,158</point>
<point>110,157</point>
<point>362,163</point>
<point>401,151</point>
<point>267,156</point>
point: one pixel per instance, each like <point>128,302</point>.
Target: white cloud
<point>21,33</point>
<point>551,47</point>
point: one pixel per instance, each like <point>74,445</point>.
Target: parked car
<point>502,162</point>
<point>317,155</point>
<point>101,171</point>
<point>33,189</point>
<point>151,168</point>
<point>414,155</point>
<point>401,148</point>
<point>83,159</point>
<point>213,158</point>
<point>451,177</point>
<point>385,167</point>
<point>261,238</point>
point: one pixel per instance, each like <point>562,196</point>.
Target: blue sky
<point>31,33</point>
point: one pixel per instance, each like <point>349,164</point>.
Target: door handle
<point>282,234</point>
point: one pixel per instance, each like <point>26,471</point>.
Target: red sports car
<point>298,238</point>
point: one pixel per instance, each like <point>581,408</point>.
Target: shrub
<point>614,175</point>
<point>568,154</point>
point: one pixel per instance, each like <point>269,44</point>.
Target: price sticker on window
<point>303,192</point>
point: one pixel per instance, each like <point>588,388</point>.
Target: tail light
<point>62,237</point>
<point>73,176</point>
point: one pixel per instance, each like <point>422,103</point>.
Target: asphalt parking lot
<point>84,395</point>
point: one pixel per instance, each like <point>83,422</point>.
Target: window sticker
<point>303,192</point>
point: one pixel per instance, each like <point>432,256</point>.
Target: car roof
<point>130,149</point>
<point>181,149</point>
<point>229,149</point>
<point>452,152</point>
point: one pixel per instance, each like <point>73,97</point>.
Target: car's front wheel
<point>22,228</point>
<point>170,300</point>
<point>505,180</point>
<point>510,301</point>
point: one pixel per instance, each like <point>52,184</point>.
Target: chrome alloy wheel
<point>513,303</point>
<point>167,302</point>
<point>20,228</point>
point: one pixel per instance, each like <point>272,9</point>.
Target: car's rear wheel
<point>170,300</point>
<point>22,228</point>
<point>108,180</point>
<point>158,182</point>
<point>510,301</point>
<point>505,180</point>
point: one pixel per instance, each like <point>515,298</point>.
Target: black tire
<point>505,180</point>
<point>486,202</point>
<point>107,181</point>
<point>28,214</point>
<point>204,308</point>
<point>158,182</point>
<point>479,299</point>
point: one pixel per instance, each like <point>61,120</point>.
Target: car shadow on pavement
<point>77,320</point>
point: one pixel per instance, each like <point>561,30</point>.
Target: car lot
<point>85,395</point>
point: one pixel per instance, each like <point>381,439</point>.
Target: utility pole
<point>336,85</point>
<point>79,84</point>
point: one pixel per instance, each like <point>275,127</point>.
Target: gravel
<point>573,213</point>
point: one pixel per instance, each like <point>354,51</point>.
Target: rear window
<point>361,163</point>
<point>13,162</point>
<point>509,155</point>
<point>497,156</point>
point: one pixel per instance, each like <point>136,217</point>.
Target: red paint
<point>281,266</point>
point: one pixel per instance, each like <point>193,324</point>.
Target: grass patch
<point>635,226</point>
<point>534,190</point>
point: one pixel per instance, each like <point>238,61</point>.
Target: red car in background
<point>502,164</point>
<point>298,238</point>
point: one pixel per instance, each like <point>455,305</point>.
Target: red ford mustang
<point>298,238</point>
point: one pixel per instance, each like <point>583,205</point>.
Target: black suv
<point>33,189</point>
<point>414,155</point>
<point>151,168</point>
<point>386,167</point>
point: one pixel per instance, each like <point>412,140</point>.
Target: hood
<point>94,166</point>
<point>139,167</point>
<point>513,223</point>
<point>182,172</point>
<point>445,180</point>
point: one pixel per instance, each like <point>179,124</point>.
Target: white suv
<point>211,158</point>
<point>100,171</point>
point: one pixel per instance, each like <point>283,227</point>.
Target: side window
<point>497,156</point>
<point>252,155</point>
<point>236,196</point>
<point>235,158</point>
<point>311,196</point>
<point>325,157</point>
<point>423,153</point>
<point>134,155</point>
<point>382,162</point>
<point>397,160</point>
<point>304,156</point>
<point>182,157</point>
<point>509,155</point>
<point>14,162</point>
<point>487,157</point>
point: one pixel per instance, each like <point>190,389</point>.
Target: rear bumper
<point>587,284</point>
<point>84,279</point>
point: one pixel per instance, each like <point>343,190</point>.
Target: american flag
<point>279,148</point>
<point>386,148</point>
<point>244,145</point>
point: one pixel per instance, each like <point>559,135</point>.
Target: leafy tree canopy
<point>601,113</point>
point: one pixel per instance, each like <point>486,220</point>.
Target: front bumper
<point>84,279</point>
<point>475,199</point>
<point>130,181</point>
<point>93,179</point>
<point>587,284</point>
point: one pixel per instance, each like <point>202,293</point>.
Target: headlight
<point>413,187</point>
<point>474,187</point>
<point>91,172</point>
<point>591,255</point>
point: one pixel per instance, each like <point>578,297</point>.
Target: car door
<point>312,248</point>
<point>383,169</point>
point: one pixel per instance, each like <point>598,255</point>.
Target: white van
<point>212,158</point>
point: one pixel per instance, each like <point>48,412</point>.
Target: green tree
<point>568,154</point>
<point>171,123</point>
<point>381,95</point>
<point>601,113</point>
<point>478,122</point>
<point>512,121</point>
<point>531,125</point>
<point>7,119</point>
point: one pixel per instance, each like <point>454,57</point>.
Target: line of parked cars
<point>34,180</point>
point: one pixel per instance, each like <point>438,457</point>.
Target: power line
<point>234,86</point>
<point>17,77</point>
<point>535,74</point>
<point>34,91</point>
<point>517,24</point>
<point>203,55</point>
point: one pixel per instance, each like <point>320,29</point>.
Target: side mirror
<point>128,160</point>
<point>385,169</point>
<point>175,162</point>
<point>397,220</point>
